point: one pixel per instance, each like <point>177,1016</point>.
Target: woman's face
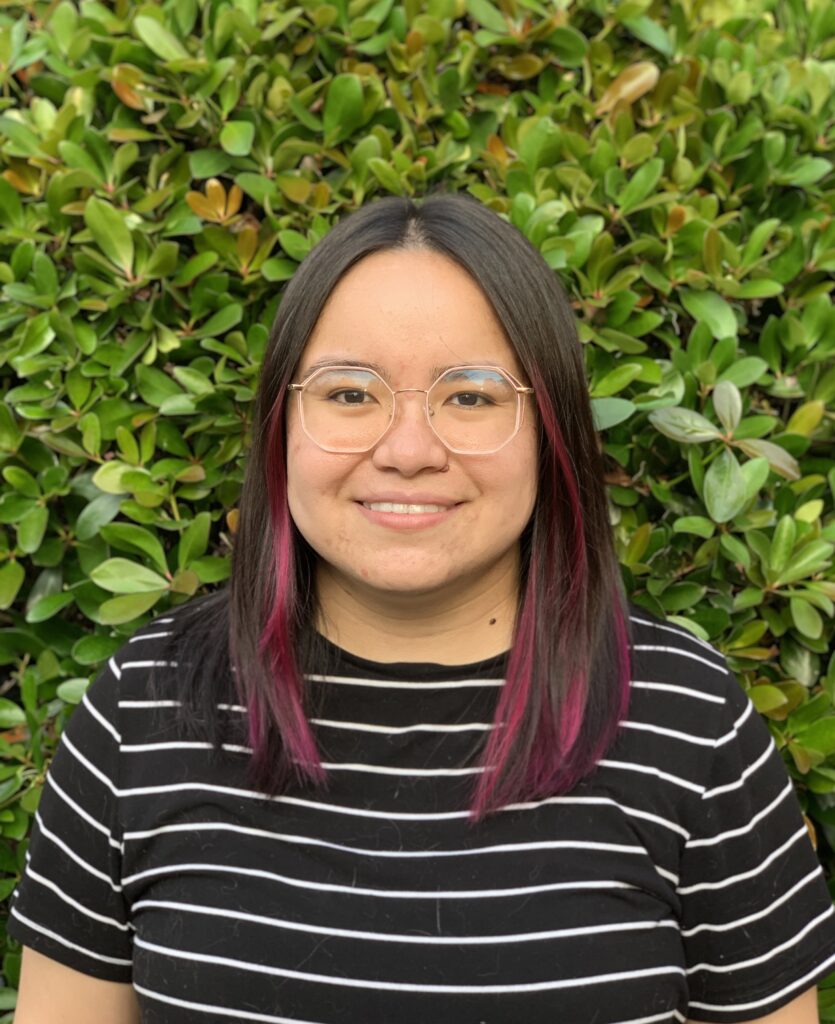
<point>408,312</point>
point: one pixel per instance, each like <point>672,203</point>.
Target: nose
<point>410,444</point>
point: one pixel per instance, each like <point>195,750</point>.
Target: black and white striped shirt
<point>676,881</point>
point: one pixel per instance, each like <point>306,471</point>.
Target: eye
<point>469,399</point>
<point>350,396</point>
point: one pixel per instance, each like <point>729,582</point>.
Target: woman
<point>456,776</point>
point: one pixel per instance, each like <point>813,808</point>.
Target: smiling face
<point>408,313</point>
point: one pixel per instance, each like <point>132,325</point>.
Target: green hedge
<point>165,167</point>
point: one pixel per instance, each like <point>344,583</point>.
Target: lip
<point>408,520</point>
<point>419,498</point>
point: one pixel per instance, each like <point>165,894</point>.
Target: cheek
<point>523,471</point>
<point>314,493</point>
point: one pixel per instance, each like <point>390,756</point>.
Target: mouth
<point>409,516</point>
<point>401,509</point>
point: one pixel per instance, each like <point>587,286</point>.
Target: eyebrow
<point>364,364</point>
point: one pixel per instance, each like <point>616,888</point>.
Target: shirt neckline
<point>348,663</point>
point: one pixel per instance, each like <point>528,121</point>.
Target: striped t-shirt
<point>676,881</point>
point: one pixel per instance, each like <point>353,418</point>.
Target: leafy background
<point>165,167</point>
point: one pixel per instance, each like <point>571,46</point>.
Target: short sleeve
<point>69,904</point>
<point>757,920</point>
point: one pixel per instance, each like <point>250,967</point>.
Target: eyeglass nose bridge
<point>427,412</point>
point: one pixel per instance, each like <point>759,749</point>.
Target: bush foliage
<point>165,167</point>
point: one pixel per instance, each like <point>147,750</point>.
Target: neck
<point>454,627</point>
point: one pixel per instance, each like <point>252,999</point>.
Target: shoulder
<point>681,685</point>
<point>667,654</point>
<point>152,660</point>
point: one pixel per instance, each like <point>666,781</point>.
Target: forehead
<point>409,311</point>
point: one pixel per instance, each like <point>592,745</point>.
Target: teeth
<point>390,506</point>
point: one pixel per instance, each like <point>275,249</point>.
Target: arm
<point>49,991</point>
<point>803,1010</point>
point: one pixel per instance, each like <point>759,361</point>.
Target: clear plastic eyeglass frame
<point>519,388</point>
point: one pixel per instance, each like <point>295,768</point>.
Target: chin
<point>402,583</point>
<point>402,578</point>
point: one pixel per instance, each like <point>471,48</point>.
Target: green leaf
<point>77,157</point>
<point>125,609</point>
<point>21,135</point>
<point>261,189</point>
<point>651,33</point>
<point>616,380</point>
<point>811,558</point>
<point>110,232</point>
<point>294,244</point>
<point>276,269</point>
<point>31,529</point>
<point>108,478</point>
<point>727,401</point>
<point>755,474</point>
<point>11,208</point>
<point>22,481</point>
<point>121,576</point>
<point>193,380</point>
<point>684,425</point>
<point>343,111</point>
<point>95,648</point>
<point>758,288</point>
<point>640,185</point>
<point>487,15</point>
<point>778,458</point>
<point>820,736</point>
<point>207,163</point>
<point>538,144</point>
<point>757,241</point>
<point>195,540</point>
<point>10,714</point>
<point>12,575</point>
<point>178,405</point>
<point>567,44</point>
<point>211,568</point>
<point>49,605</point>
<point>194,267</point>
<point>782,544</point>
<point>694,524</point>
<point>608,412</point>
<point>386,175</point>
<point>10,434</point>
<point>72,690</point>
<point>711,309</point>
<point>236,137</point>
<point>724,487</point>
<point>163,261</point>
<point>807,619</point>
<point>767,698</point>
<point>13,507</point>
<point>158,39</point>
<point>224,320</point>
<point>734,550</point>
<point>808,170</point>
<point>154,386</point>
<point>128,536</point>
<point>744,372</point>
<point>8,996</point>
<point>678,597</point>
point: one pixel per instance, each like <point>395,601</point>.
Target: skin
<point>447,593</point>
<point>46,985</point>
<point>423,594</point>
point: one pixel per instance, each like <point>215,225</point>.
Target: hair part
<point>568,670</point>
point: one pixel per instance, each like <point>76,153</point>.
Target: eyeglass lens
<point>471,409</point>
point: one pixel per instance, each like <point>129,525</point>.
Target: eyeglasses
<point>473,410</point>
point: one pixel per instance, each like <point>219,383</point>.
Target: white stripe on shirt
<point>402,986</point>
